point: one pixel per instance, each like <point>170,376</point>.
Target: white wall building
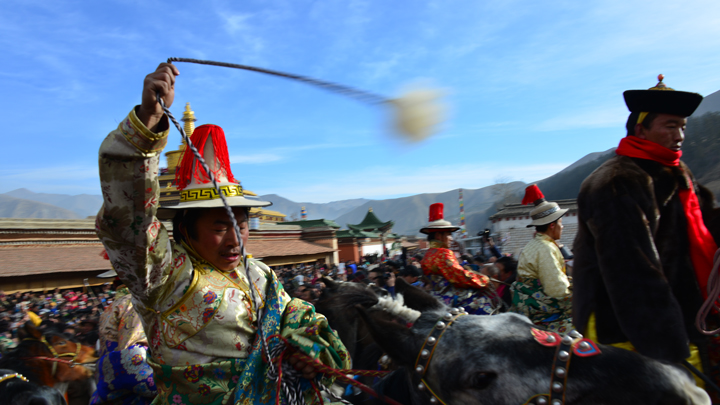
<point>510,232</point>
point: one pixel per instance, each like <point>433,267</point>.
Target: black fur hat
<point>662,99</point>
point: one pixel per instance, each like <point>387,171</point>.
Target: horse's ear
<point>416,298</point>
<point>29,331</point>
<point>329,283</point>
<point>397,340</point>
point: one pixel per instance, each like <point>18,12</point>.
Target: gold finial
<point>370,210</point>
<point>189,120</point>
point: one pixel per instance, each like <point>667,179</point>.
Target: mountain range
<point>700,151</point>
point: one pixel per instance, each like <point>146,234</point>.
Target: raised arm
<point>135,240</point>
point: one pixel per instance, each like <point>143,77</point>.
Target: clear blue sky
<point>531,86</point>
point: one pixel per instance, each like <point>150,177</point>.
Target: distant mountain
<point>11,207</point>
<point>710,103</point>
<point>702,148</point>
<point>329,210</point>
<point>84,205</point>
<point>566,183</point>
<point>411,213</point>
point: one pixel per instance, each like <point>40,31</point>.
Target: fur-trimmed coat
<point>632,263</point>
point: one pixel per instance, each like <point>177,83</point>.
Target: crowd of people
<point>74,311</point>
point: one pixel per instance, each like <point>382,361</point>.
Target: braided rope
<point>361,95</point>
<point>229,211</point>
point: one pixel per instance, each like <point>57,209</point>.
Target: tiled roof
<point>285,247</point>
<point>35,260</point>
<point>45,223</point>
<point>312,223</point>
<point>371,222</point>
<point>25,261</point>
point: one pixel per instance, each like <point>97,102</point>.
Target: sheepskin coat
<point>632,260</point>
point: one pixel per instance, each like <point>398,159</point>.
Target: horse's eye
<point>482,380</point>
<point>61,343</point>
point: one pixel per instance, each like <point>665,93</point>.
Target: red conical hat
<point>196,189</point>
<point>437,222</point>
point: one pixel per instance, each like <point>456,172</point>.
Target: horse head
<point>496,360</point>
<point>51,356</point>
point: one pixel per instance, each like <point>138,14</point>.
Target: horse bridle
<point>57,357</point>
<point>428,349</point>
<point>572,343</point>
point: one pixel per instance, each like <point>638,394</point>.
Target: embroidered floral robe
<point>542,290</point>
<point>453,284</point>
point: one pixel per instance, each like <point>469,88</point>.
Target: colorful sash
<point>528,299</point>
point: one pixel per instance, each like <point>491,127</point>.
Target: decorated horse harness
<point>572,343</point>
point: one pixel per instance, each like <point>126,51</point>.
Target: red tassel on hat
<point>186,170</point>
<point>436,212</point>
<point>533,195</point>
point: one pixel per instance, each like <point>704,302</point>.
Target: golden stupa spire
<point>189,120</point>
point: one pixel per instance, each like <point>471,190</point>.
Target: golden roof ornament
<point>189,120</point>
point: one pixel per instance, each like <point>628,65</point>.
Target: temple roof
<point>353,233</point>
<point>313,223</point>
<point>372,223</point>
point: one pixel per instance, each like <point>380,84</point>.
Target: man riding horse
<point>192,294</point>
<point>450,281</point>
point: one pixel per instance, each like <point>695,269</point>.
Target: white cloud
<point>255,159</point>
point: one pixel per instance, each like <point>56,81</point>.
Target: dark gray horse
<point>496,360</point>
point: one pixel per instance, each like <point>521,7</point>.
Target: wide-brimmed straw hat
<point>196,189</point>
<point>545,212</point>
<point>437,222</point>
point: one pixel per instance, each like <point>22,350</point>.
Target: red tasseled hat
<point>436,212</point>
<point>187,170</point>
<point>533,195</point>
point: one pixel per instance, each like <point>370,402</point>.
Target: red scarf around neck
<point>702,244</point>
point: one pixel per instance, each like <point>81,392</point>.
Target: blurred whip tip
<point>418,113</point>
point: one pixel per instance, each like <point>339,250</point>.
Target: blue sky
<point>530,86</point>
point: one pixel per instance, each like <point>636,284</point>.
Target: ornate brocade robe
<point>200,322</point>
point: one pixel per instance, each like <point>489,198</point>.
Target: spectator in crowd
<point>384,278</point>
<point>412,275</point>
<point>507,276</point>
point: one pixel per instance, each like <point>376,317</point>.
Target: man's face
<point>216,241</point>
<point>666,130</point>
<point>555,231</point>
<point>444,237</point>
